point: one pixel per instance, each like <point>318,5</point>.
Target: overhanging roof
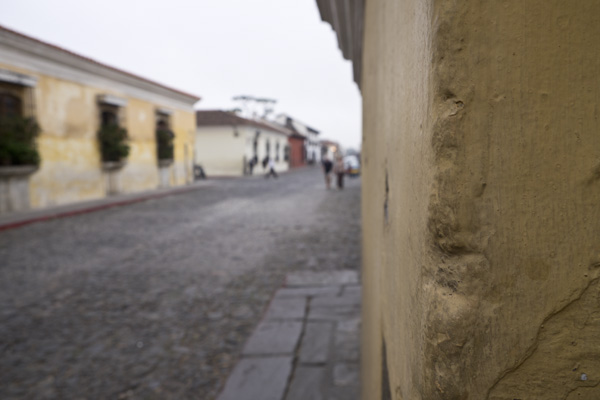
<point>346,17</point>
<point>40,48</point>
<point>229,118</point>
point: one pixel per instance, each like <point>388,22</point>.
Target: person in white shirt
<point>271,167</point>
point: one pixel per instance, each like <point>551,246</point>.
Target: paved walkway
<point>307,345</point>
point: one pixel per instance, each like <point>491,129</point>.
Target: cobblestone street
<point>155,300</point>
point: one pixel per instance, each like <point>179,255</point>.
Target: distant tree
<point>255,107</point>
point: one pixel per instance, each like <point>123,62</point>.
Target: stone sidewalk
<point>17,219</point>
<point>307,344</point>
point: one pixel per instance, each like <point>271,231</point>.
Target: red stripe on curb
<point>16,224</point>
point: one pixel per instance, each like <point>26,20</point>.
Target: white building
<point>312,146</point>
<point>226,144</point>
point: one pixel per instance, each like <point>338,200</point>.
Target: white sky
<point>215,49</point>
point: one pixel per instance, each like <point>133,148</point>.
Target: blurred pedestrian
<point>252,163</point>
<point>327,167</point>
<point>271,166</point>
<point>339,170</point>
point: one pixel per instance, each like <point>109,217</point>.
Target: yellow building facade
<point>66,94</point>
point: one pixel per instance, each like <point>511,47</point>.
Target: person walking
<point>265,162</point>
<point>251,165</point>
<point>339,170</point>
<point>271,166</point>
<point>327,167</point>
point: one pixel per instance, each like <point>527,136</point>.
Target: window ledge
<point>113,165</point>
<point>13,171</point>
<point>112,100</point>
<point>17,78</point>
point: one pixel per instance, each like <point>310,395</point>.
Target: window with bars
<point>112,134</point>
<point>18,132</point>
<point>10,105</point>
<point>109,115</point>
<point>164,136</point>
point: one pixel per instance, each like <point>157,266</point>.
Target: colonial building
<point>98,128</point>
<point>481,180</point>
<point>311,153</point>
<point>230,145</point>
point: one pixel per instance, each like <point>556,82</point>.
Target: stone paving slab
<point>333,313</point>
<point>352,290</point>
<point>274,337</point>
<point>347,334</point>
<point>325,278</point>
<point>350,325</point>
<point>316,343</point>
<point>325,291</point>
<point>307,384</point>
<point>345,346</point>
<point>346,374</point>
<point>286,308</point>
<point>344,393</point>
<point>341,308</point>
<point>332,302</point>
<point>258,378</point>
<point>323,344</point>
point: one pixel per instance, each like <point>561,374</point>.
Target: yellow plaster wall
<point>140,172</point>
<point>70,169</point>
<point>396,166</point>
<point>70,159</point>
<point>184,127</point>
<point>481,159</point>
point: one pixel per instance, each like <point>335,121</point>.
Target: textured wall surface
<point>481,220</point>
<point>398,174</point>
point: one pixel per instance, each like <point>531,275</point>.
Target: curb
<point>256,174</point>
<point>261,319</point>
<point>90,209</point>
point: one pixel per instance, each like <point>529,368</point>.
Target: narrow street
<point>155,300</point>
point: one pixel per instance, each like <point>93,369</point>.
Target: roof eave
<point>63,56</point>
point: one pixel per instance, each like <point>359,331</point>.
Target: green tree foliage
<point>113,143</point>
<point>17,141</point>
<point>164,140</point>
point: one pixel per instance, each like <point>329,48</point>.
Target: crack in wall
<point>552,323</point>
